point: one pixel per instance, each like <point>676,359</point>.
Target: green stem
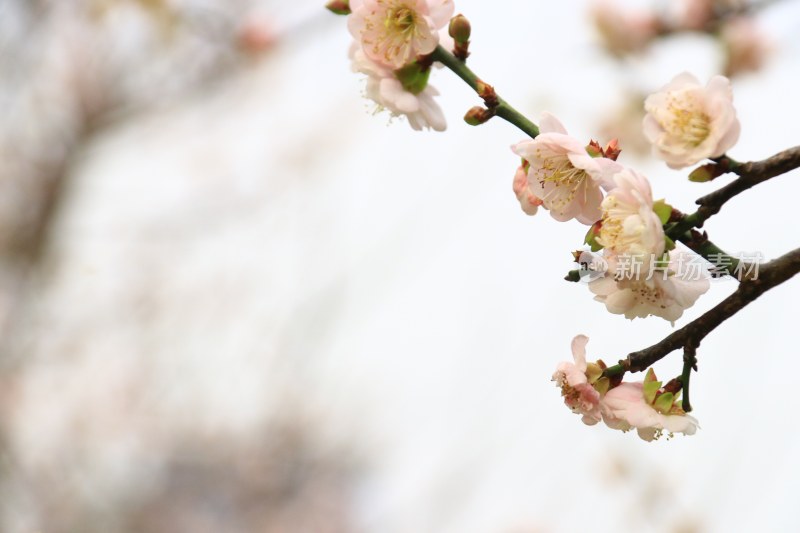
<point>503,109</point>
<point>616,370</point>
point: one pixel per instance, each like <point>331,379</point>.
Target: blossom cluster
<point>643,273</point>
<point>572,180</point>
<point>647,406</point>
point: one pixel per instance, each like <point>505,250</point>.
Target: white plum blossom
<point>665,291</point>
<point>579,394</point>
<point>686,122</point>
<point>388,93</point>
<point>625,407</point>
<point>628,224</point>
<point>394,33</point>
<point>562,174</point>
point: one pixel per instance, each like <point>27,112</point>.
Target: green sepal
<point>602,385</point>
<point>650,376</point>
<point>593,372</point>
<point>649,390</point>
<point>669,244</point>
<point>663,403</point>
<point>663,210</point>
<point>591,237</point>
<point>413,77</point>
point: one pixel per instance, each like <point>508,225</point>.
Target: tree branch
<point>499,107</point>
<point>750,175</point>
<point>772,274</point>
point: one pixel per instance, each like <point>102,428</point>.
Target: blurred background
<point>235,299</point>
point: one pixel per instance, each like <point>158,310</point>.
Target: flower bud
<point>340,7</point>
<point>706,172</point>
<point>460,29</point>
<point>477,116</point>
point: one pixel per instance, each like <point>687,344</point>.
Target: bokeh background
<point>234,299</point>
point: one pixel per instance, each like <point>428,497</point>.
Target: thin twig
<point>750,174</point>
<point>772,274</point>
<point>500,107</point>
<point>689,364</point>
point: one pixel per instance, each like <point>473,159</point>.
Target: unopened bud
<point>612,150</point>
<point>706,173</point>
<point>460,29</point>
<point>486,92</point>
<point>340,7</point>
<point>477,116</point>
<point>594,149</point>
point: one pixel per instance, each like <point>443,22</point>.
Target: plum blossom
<point>686,122</point>
<point>694,14</point>
<point>627,406</point>
<point>665,291</point>
<point>581,383</point>
<point>621,31</point>
<point>746,46</point>
<point>394,33</point>
<point>388,93</point>
<point>562,174</point>
<point>528,201</point>
<point>628,224</point>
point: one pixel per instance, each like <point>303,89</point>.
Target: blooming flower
<point>621,31</point>
<point>628,224</point>
<point>746,46</point>
<point>646,407</point>
<point>579,393</point>
<point>394,32</point>
<point>562,174</point>
<point>388,93</point>
<point>686,122</point>
<point>694,14</point>
<point>664,291</point>
<point>527,200</point>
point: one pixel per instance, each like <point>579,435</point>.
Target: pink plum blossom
<point>665,291</point>
<point>625,407</point>
<point>394,33</point>
<point>628,224</point>
<point>579,395</point>
<point>388,93</point>
<point>746,45</point>
<point>528,201</point>
<point>694,14</point>
<point>562,174</point>
<point>622,31</point>
<point>686,122</point>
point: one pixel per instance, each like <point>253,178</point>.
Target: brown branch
<point>750,175</point>
<point>771,275</point>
